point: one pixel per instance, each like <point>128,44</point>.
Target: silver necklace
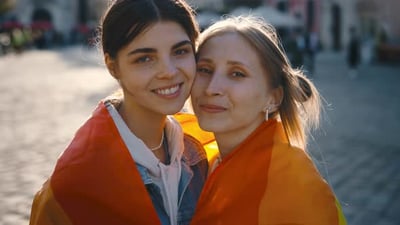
<point>161,142</point>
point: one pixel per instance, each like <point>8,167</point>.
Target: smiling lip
<point>212,108</point>
<point>169,92</point>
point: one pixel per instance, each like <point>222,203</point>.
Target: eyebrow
<point>230,62</point>
<point>152,50</point>
<point>235,63</point>
<point>182,43</point>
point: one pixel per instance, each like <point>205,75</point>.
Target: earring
<point>266,111</point>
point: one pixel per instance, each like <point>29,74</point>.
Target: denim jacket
<point>193,176</point>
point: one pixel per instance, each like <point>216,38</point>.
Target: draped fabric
<point>263,181</point>
<point>96,181</point>
<point>266,181</point>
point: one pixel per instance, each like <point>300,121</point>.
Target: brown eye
<point>143,59</point>
<point>204,71</point>
<point>238,74</point>
<point>182,51</point>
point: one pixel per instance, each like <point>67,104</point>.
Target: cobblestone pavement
<point>46,95</point>
<point>359,139</point>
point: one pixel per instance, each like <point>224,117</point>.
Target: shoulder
<point>97,142</point>
<point>293,170</point>
<point>297,190</point>
<point>194,151</point>
<point>94,133</point>
<point>295,164</point>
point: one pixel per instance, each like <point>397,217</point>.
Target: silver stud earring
<point>266,110</point>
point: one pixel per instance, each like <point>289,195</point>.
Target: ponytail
<point>300,108</point>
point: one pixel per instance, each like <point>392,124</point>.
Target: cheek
<point>196,89</point>
<point>248,100</point>
<point>135,77</point>
<point>199,85</point>
<point>189,66</point>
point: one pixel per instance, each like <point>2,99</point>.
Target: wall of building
<point>370,17</point>
<point>331,25</point>
<point>64,13</point>
<point>376,17</point>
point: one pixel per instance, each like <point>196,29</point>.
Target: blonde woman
<point>260,110</point>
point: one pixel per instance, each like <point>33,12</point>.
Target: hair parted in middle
<point>124,20</point>
<point>300,108</point>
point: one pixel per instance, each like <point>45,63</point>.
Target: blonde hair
<point>300,108</point>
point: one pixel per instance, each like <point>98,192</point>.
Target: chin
<point>173,108</point>
<point>209,125</point>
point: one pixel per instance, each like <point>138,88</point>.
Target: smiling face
<point>156,70</point>
<point>231,87</point>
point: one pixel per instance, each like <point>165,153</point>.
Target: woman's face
<point>231,87</point>
<point>156,70</point>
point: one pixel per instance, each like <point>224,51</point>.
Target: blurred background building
<point>52,22</point>
<point>377,22</point>
<point>72,21</point>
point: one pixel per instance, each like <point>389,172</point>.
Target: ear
<point>111,65</point>
<point>275,98</point>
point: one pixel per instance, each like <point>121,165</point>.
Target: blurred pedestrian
<point>353,53</point>
<point>310,51</point>
<point>5,42</point>
<point>259,109</point>
<point>131,163</point>
<point>295,47</point>
<point>17,40</point>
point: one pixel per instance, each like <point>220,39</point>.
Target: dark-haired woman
<point>130,162</point>
<point>259,109</point>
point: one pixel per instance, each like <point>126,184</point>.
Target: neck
<point>148,126</point>
<point>228,141</point>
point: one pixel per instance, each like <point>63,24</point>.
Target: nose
<point>167,68</point>
<point>215,86</point>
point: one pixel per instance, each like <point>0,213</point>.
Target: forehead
<point>229,45</point>
<point>160,34</point>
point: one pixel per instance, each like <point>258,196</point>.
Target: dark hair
<point>126,19</point>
